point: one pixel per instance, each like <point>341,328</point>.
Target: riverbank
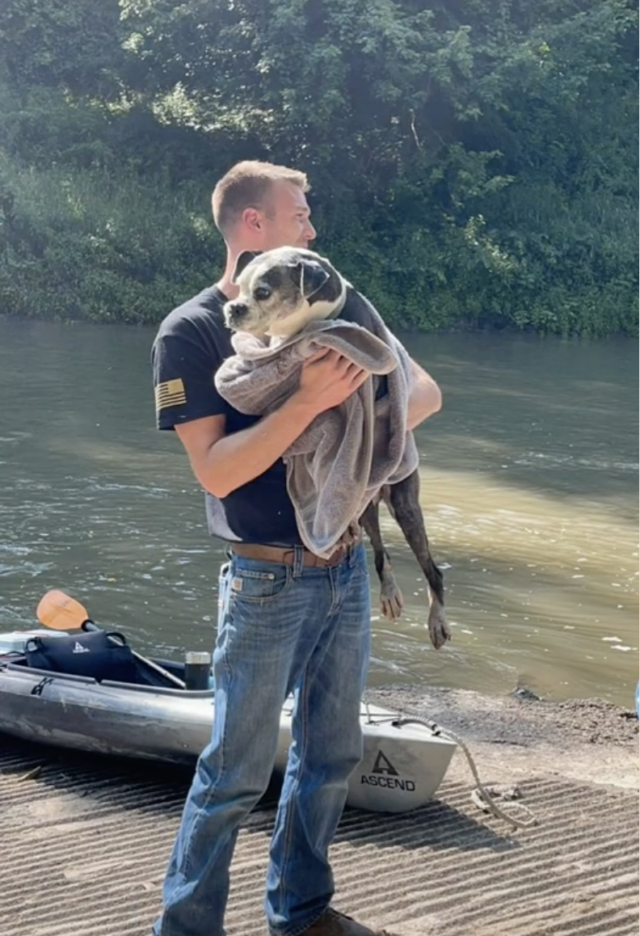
<point>87,839</point>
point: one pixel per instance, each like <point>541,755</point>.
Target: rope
<point>482,795</point>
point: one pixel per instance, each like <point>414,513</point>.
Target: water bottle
<point>197,669</point>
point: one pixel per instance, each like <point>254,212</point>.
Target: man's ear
<point>313,276</point>
<point>243,260</point>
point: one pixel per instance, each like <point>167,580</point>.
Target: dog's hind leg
<point>403,501</point>
<point>391,600</point>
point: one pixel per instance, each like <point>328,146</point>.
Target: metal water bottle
<point>197,668</point>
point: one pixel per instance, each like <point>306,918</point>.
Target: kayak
<point>150,717</point>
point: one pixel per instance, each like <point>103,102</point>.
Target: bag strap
<point>37,643</point>
<point>117,636</point>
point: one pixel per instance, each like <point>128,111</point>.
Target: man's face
<point>286,218</point>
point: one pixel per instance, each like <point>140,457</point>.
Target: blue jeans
<point>281,629</point>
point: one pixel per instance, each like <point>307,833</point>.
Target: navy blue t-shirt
<point>191,344</point>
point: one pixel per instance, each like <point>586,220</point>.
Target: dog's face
<point>281,291</point>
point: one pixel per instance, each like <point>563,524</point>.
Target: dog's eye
<point>261,293</point>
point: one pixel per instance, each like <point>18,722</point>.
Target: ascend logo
<point>384,774</point>
<point>383,765</point>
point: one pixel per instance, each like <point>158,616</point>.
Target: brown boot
<point>332,923</point>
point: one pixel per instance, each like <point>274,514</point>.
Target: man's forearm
<point>242,456</point>
<point>425,397</point>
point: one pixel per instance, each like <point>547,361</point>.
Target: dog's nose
<point>237,310</point>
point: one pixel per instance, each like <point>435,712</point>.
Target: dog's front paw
<point>439,630</point>
<point>391,600</point>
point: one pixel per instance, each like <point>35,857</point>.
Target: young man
<point>289,621</point>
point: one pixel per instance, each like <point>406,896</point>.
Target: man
<point>289,621</point>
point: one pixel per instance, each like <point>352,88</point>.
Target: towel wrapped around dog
<point>348,453</point>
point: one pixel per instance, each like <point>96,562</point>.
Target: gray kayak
<point>403,765</point>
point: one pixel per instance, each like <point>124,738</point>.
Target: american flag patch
<point>170,393</point>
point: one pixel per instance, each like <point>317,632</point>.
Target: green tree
<point>473,162</point>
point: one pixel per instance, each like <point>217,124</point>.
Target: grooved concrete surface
<point>84,845</point>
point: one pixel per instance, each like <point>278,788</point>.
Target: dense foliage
<point>473,161</point>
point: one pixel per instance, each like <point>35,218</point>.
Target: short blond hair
<point>247,185</point>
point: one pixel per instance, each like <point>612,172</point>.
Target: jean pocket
<point>259,585</point>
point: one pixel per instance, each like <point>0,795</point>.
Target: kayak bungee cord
<point>481,795</point>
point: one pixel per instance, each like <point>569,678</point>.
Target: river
<point>529,490</point>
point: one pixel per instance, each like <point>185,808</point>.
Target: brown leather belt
<point>285,556</point>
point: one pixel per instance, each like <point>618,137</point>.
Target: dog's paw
<point>439,630</point>
<point>391,600</point>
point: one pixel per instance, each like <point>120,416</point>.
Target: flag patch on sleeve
<point>170,393</point>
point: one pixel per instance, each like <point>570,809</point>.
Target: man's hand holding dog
<point>222,463</point>
<point>327,380</point>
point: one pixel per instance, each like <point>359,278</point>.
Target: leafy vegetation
<point>473,164</point>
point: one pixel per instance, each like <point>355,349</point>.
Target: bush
<point>86,244</point>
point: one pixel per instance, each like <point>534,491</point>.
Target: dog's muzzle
<point>236,312</point>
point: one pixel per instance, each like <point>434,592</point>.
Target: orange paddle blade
<point>60,611</point>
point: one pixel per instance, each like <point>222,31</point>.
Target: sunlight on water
<point>541,593</point>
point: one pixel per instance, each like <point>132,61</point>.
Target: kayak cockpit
<point>95,656</point>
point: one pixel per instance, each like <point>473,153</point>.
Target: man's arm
<point>222,462</point>
<point>425,397</point>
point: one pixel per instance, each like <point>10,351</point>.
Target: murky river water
<point>529,488</point>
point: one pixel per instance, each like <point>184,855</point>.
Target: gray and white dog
<point>280,292</point>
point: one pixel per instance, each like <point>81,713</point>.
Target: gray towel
<point>347,453</point>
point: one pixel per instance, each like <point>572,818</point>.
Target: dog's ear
<point>243,260</point>
<point>313,276</point>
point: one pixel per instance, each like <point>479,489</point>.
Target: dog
<point>281,291</point>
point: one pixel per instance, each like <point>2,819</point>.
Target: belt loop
<point>351,548</point>
<point>298,561</point>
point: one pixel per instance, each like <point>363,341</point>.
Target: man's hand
<point>327,380</point>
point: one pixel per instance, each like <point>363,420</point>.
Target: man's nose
<point>310,231</point>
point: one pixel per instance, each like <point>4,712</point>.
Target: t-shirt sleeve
<point>183,366</point>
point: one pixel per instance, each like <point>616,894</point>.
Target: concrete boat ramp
<point>85,840</point>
